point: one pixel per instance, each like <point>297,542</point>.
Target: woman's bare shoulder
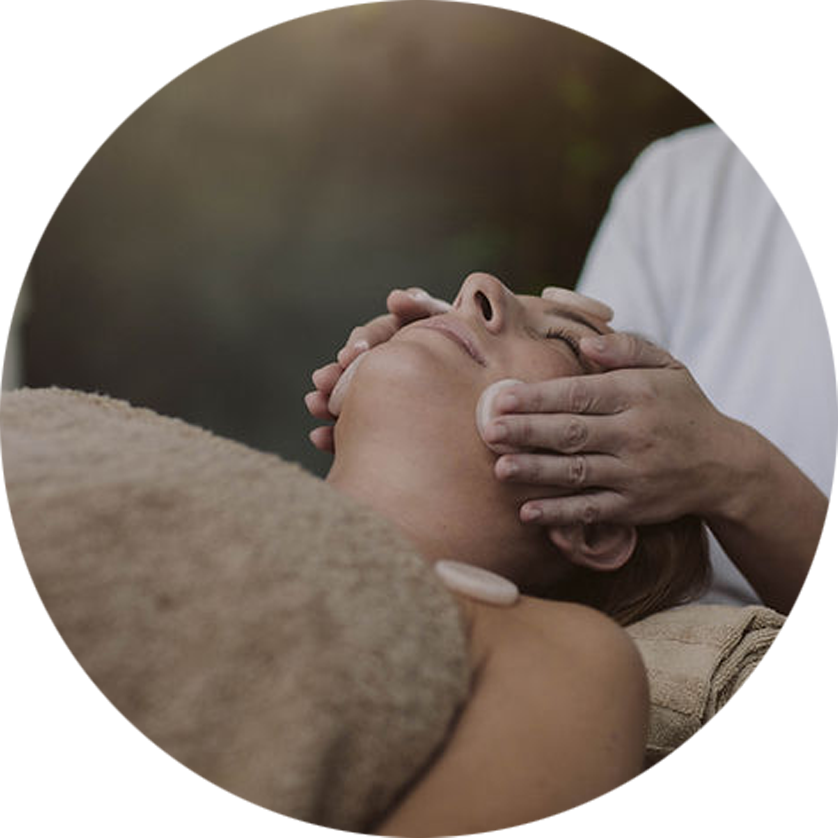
<point>570,658</point>
<point>540,648</point>
<point>573,642</point>
<point>566,630</point>
<point>557,716</point>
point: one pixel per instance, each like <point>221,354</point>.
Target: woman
<point>559,710</point>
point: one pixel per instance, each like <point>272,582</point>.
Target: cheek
<point>543,362</point>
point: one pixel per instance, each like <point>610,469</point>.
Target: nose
<point>485,298</point>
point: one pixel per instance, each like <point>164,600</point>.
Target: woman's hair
<point>669,566</point>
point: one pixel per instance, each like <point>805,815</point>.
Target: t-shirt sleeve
<point>623,265</point>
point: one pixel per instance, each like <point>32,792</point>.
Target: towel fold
<point>697,657</point>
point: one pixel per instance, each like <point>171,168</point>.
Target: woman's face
<point>407,442</point>
<point>490,334</point>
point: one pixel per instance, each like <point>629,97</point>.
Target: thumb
<point>619,350</point>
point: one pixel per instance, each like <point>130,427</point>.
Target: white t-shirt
<point>695,254</point>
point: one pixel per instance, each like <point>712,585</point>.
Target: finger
<point>566,434</point>
<point>348,353</point>
<point>572,299</point>
<point>623,349</point>
<point>379,330</point>
<point>602,393</point>
<point>414,304</point>
<point>322,438</point>
<point>589,508</point>
<point>317,404</point>
<point>564,472</point>
<point>325,378</point>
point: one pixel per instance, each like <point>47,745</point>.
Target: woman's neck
<point>450,506</point>
<point>406,445</point>
<point>418,497</point>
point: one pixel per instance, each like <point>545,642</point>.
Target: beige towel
<point>255,624</point>
<point>197,581</point>
<point>697,657</point>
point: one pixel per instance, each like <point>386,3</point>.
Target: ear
<point>603,547</point>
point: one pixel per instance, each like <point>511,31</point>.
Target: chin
<point>414,376</point>
<point>408,419</point>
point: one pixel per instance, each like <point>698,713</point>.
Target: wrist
<point>740,464</point>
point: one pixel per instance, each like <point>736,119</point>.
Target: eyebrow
<point>569,314</point>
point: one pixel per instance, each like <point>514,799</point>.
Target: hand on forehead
<point>588,305</point>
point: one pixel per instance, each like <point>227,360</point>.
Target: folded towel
<point>697,657</point>
<point>258,626</point>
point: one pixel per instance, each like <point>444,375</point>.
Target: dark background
<point>227,236</point>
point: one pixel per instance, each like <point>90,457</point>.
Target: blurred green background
<point>227,236</point>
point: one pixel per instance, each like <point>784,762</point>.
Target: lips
<point>457,331</point>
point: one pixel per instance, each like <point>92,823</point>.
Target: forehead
<point>547,310</point>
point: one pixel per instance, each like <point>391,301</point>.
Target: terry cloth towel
<point>220,598</point>
<point>697,657</point>
<point>272,636</point>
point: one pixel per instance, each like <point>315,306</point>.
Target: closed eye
<point>569,339</point>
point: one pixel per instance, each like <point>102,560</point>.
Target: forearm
<point>768,518</point>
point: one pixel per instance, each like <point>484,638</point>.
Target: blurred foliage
<point>226,237</point>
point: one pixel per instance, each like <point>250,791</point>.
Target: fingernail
<point>496,432</point>
<point>589,344</point>
<point>420,296</point>
<point>530,513</point>
<point>508,468</point>
<point>508,401</point>
<point>361,345</point>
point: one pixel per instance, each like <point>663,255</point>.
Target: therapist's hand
<point>403,307</point>
<point>639,443</point>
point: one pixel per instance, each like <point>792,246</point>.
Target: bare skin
<point>559,705</point>
<point>580,699</point>
<point>647,439</point>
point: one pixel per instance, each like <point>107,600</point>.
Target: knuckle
<point>378,331</point>
<point>534,469</point>
<point>645,448</point>
<point>589,513</point>
<point>525,429</point>
<point>634,346</point>
<point>644,390</point>
<point>578,396</point>
<point>577,471</point>
<point>575,435</point>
